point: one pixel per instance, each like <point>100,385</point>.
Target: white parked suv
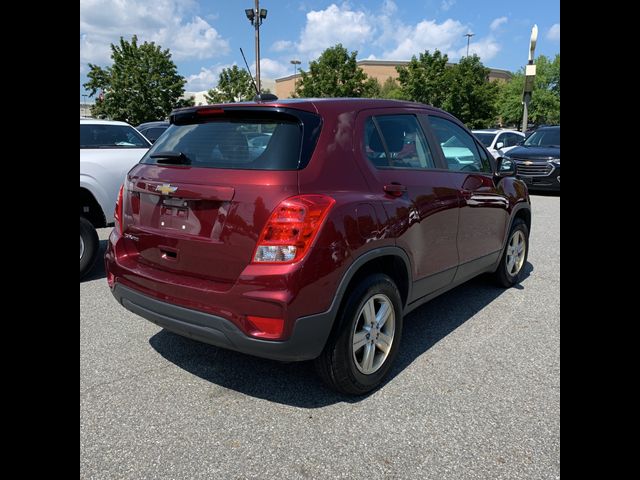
<point>108,150</point>
<point>499,141</point>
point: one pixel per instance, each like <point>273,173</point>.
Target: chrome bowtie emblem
<point>166,188</point>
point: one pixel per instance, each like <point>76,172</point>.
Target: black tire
<point>503,276</point>
<point>89,236</point>
<point>336,364</point>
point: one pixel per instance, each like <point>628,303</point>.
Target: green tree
<point>472,97</point>
<point>186,102</point>
<point>142,84</point>
<point>336,74</point>
<point>391,89</point>
<point>544,107</point>
<point>234,85</point>
<point>426,79</point>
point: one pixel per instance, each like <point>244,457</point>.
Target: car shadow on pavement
<point>97,271</point>
<point>296,383</point>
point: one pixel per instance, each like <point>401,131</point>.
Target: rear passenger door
<point>483,206</point>
<point>415,189</point>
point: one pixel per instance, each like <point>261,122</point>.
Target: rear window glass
<point>235,143</point>
<point>485,138</point>
<point>110,136</point>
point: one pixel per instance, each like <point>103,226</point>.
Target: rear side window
<point>458,147</point>
<point>110,136</point>
<point>239,141</point>
<point>396,141</point>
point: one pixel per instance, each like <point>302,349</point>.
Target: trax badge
<point>166,188</point>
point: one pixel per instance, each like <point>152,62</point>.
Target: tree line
<point>142,84</point>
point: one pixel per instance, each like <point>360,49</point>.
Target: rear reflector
<point>263,327</point>
<point>291,228</point>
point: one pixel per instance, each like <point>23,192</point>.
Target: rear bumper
<point>305,343</point>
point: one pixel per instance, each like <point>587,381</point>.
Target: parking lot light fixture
<point>295,64</point>
<point>468,35</point>
<point>256,16</point>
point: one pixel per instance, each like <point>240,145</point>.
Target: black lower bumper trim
<point>306,342</point>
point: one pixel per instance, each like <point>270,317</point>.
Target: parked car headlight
<point>555,161</point>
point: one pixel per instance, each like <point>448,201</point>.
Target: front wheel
<point>88,246</point>
<point>360,353</point>
<point>515,254</point>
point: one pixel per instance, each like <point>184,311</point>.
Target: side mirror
<point>499,145</point>
<point>505,167</point>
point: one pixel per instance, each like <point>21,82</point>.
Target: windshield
<point>111,136</point>
<point>485,138</point>
<point>547,137</point>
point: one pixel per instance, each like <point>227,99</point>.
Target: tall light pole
<point>84,106</point>
<point>529,78</point>
<point>295,64</point>
<point>256,16</point>
<point>468,35</point>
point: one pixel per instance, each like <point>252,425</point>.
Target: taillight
<point>291,228</point>
<point>117,214</point>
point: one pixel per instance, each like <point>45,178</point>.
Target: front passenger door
<point>483,207</point>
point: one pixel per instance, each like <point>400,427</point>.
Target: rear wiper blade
<point>172,158</point>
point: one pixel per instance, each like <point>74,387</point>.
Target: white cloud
<point>497,22</point>
<point>206,79</point>
<point>389,7</point>
<point>281,45</point>
<point>554,32</point>
<point>272,69</point>
<point>196,39</point>
<point>447,4</point>
<point>169,23</point>
<point>426,35</point>
<point>486,49</point>
<point>325,28</point>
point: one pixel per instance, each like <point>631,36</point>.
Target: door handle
<point>395,189</point>
<point>466,194</point>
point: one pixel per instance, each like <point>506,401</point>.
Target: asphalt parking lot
<point>474,393</point>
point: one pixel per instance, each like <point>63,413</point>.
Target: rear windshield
<point>110,136</point>
<point>246,143</point>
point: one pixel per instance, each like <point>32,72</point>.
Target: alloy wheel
<point>515,252</point>
<point>373,334</point>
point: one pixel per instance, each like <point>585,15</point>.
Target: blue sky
<point>204,36</point>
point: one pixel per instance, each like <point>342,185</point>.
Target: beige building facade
<point>378,69</point>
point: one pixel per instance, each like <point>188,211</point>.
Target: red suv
<point>314,242</point>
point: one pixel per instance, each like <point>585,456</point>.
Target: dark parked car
<point>538,159</point>
<point>152,130</point>
<point>354,213</point>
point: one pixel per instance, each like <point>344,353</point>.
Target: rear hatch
<point>197,202</point>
